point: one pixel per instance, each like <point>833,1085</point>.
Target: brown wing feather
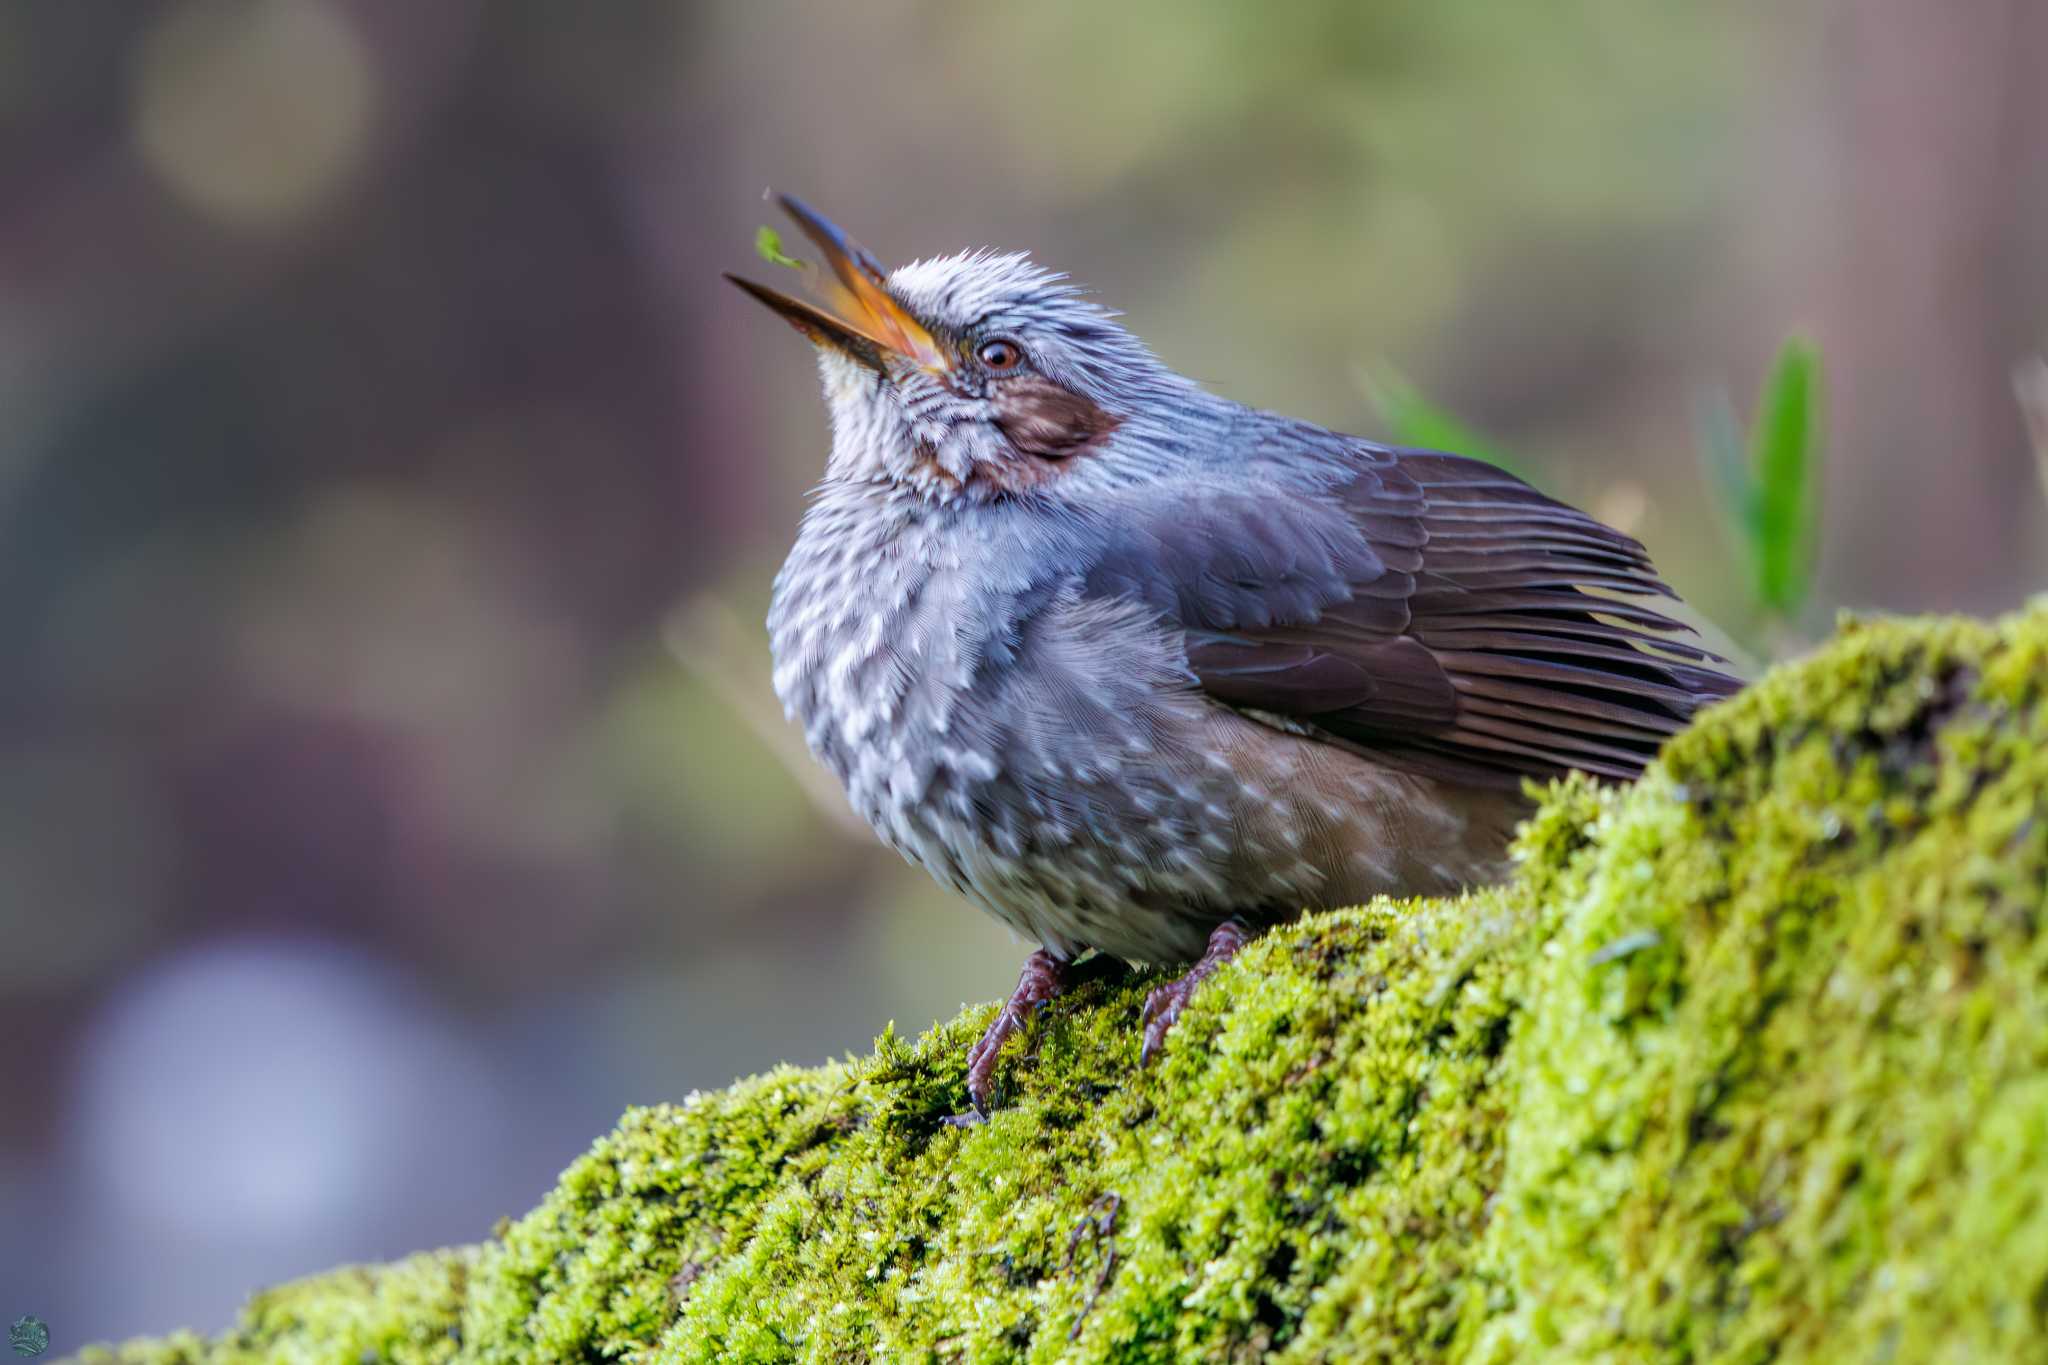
<point>1475,632</point>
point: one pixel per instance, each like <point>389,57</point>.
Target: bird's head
<point>976,376</point>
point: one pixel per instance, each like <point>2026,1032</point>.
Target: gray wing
<point>1432,609</point>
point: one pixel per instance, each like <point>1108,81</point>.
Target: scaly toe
<point>1162,1012</point>
<point>1044,976</point>
<point>981,1063</point>
<point>976,1053</point>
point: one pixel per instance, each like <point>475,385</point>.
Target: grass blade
<point>1785,463</point>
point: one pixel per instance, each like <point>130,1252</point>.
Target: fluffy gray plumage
<point>1118,659</point>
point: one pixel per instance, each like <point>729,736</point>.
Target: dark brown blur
<point>390,489</point>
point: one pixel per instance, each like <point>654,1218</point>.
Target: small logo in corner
<point>28,1335</point>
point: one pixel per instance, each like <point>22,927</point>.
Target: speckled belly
<point>1142,857</point>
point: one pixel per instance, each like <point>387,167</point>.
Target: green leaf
<point>1415,421</point>
<point>1785,446</point>
<point>768,244</point>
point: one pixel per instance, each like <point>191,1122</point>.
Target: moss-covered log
<point>1750,1062</point>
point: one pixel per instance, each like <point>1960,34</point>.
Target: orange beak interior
<point>859,316</point>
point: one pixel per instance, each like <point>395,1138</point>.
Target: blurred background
<point>390,490</point>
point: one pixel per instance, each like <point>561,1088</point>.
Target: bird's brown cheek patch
<point>1049,427</point>
<point>1048,424</point>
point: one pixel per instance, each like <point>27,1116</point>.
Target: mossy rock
<point>1750,1062</point>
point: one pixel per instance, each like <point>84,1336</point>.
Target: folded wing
<point>1431,609</point>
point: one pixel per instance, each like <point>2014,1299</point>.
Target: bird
<point>1142,671</point>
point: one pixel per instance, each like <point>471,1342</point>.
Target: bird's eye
<point>1000,354</point>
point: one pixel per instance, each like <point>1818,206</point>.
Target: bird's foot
<point>1044,976</point>
<point>1164,1004</point>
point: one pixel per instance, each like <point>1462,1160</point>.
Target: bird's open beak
<point>859,316</point>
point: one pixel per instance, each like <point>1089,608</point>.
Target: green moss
<point>1751,1061</point>
<point>1807,1123</point>
<point>405,1313</point>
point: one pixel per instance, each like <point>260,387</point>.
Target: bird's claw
<point>1164,1004</point>
<point>981,1060</point>
<point>1044,976</point>
<point>1162,1011</point>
